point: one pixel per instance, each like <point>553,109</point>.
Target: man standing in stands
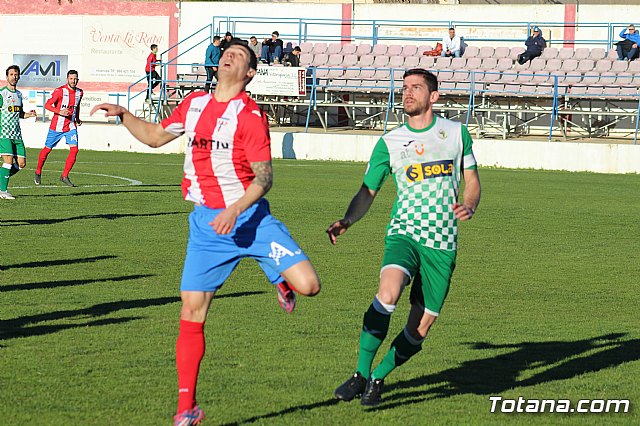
<point>451,44</point>
<point>535,45</point>
<point>212,57</point>
<point>627,48</point>
<point>65,106</point>
<point>225,42</point>
<point>153,77</point>
<point>272,49</point>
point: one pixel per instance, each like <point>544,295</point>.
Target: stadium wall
<point>591,157</point>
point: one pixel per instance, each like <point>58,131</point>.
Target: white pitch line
<point>132,182</point>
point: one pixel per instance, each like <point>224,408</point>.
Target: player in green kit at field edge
<point>426,157</point>
<point>11,144</point>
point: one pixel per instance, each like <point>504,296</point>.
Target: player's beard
<point>417,107</point>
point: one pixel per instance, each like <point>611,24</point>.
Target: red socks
<point>71,160</point>
<point>42,158</point>
<point>189,353</point>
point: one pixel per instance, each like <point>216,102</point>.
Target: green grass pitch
<point>543,305</point>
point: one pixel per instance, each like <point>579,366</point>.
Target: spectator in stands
<point>272,49</point>
<point>292,59</point>
<point>153,78</point>
<point>535,45</point>
<point>226,41</point>
<point>255,47</point>
<point>451,44</point>
<point>211,60</point>
<point>628,47</point>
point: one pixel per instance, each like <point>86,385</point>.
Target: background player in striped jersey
<point>227,172</point>
<point>426,157</point>
<point>11,144</point>
<point>65,106</point>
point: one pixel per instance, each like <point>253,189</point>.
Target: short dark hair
<point>429,77</point>
<point>452,29</point>
<point>297,49</point>
<point>216,38</point>
<point>253,61</point>
<point>13,67</point>
<point>253,38</point>
<point>228,33</point>
<point>153,46</point>
<point>276,33</point>
<point>72,72</point>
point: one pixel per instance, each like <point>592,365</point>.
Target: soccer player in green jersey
<point>426,157</point>
<point>11,144</point>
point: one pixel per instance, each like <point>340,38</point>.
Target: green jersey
<point>10,109</point>
<point>426,165</point>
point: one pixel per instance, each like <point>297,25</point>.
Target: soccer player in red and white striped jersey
<point>65,106</point>
<point>227,172</point>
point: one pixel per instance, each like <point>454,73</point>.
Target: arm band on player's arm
<point>359,205</point>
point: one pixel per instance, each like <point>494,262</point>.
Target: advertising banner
<point>115,48</point>
<point>278,81</point>
<point>42,70</point>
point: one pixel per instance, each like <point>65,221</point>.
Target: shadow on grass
<point>538,362</point>
<point>27,326</point>
<point>68,283</point>
<point>327,403</point>
<point>113,216</point>
<point>106,192</point>
<point>59,262</point>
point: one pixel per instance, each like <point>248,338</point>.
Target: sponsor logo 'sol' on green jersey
<point>426,165</point>
<point>10,108</point>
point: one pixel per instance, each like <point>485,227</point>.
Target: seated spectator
<point>451,44</point>
<point>292,59</point>
<point>535,45</point>
<point>627,48</point>
<point>272,49</point>
<point>253,45</point>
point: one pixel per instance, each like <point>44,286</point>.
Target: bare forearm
<point>472,191</point>
<point>145,132</point>
<point>359,205</point>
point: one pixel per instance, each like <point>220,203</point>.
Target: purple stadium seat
<point>335,60</point>
<point>457,63</point>
<point>490,64</point>
<point>306,59</point>
<point>352,73</point>
<point>512,88</point>
<point>471,51</point>
<point>612,54</point>
<point>603,65</point>
<point>515,51</point>
<point>319,48</point>
<point>608,78</point>
<point>367,73</point>
<point>424,48</point>
<point>496,88</point>
<point>379,49</point>
<point>565,53</point>
<point>473,62</point>
<point>486,76</point>
<point>382,74</point>
<point>486,52</point>
<point>460,75</point>
<point>624,78</point>
<point>597,54</point>
<point>427,62</point>
<point>595,90</point>
<point>611,92</point>
<point>524,76</point>
<point>334,48</point>
<point>508,77</point>
<point>396,61</point>
<point>411,61</point>
<point>540,77</point>
<point>634,67</point>
<point>578,89</point>
<point>521,67</point>
<point>585,65</point>
<point>306,47</point>
<point>591,78</point>
<point>410,50</point>
<point>553,65</point>
<point>501,52</point>
<point>320,60</point>
<point>381,61</point>
<point>572,77</point>
<point>366,61</point>
<point>581,53</point>
<point>394,50</point>
<point>446,86</point>
<point>363,49</point>
<point>550,53</point>
<point>569,65</point>
<point>619,66</point>
<point>443,63</point>
<point>349,61</point>
<point>629,91</point>
<point>349,49</point>
<point>335,72</point>
<point>537,64</point>
<point>444,75</point>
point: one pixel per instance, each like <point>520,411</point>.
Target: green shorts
<point>13,147</point>
<point>431,285</point>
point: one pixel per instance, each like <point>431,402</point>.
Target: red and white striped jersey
<point>223,139</point>
<point>64,97</point>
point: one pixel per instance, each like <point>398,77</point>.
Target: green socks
<point>403,347</point>
<point>4,178</point>
<point>374,329</point>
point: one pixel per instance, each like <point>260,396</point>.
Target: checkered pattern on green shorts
<point>424,212</point>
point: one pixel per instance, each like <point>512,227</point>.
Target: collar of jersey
<point>433,122</point>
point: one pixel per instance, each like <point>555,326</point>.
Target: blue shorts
<point>211,257</point>
<point>54,137</point>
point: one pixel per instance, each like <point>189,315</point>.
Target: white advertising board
<point>278,81</point>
